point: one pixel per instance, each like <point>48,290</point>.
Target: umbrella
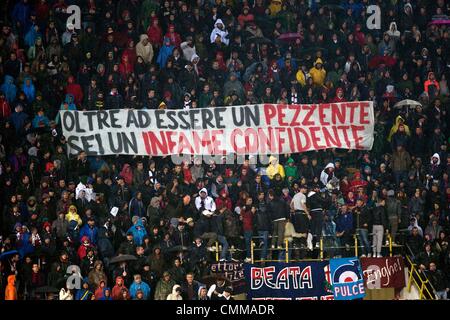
<point>259,40</point>
<point>123,258</point>
<point>334,7</point>
<point>6,254</point>
<point>407,102</point>
<point>290,37</point>
<point>178,248</point>
<point>211,279</point>
<point>440,22</point>
<point>379,60</point>
<point>311,50</point>
<point>46,289</point>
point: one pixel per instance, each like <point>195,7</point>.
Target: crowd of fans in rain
<point>96,212</point>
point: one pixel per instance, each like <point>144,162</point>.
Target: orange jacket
<point>11,291</point>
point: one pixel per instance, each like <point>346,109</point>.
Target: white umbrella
<point>407,102</point>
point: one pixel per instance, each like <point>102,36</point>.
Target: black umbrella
<point>46,289</point>
<point>211,279</point>
<point>123,258</point>
<point>259,40</point>
<point>178,249</point>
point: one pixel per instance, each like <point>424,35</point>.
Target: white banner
<point>253,129</point>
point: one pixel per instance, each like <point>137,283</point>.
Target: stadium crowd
<point>60,211</point>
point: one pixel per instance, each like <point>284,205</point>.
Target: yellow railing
<point>321,250</point>
<point>423,283</point>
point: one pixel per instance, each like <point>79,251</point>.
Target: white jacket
<point>222,33</point>
<point>208,202</point>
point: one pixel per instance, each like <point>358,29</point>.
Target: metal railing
<point>321,249</point>
<point>419,278</point>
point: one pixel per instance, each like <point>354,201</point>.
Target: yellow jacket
<point>318,75</point>
<point>301,78</point>
<point>71,216</point>
<point>274,168</point>
<point>394,128</point>
<point>275,7</point>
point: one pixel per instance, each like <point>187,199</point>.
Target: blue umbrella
<point>8,253</point>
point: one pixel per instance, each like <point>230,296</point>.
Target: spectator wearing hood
<point>138,230</point>
<point>144,49</point>
<point>274,168</point>
<point>90,231</point>
<point>164,287</point>
<point>434,169</point>
<point>84,293</point>
<point>9,89</point>
<point>139,285</point>
<point>219,31</point>
<point>204,202</point>
<point>119,288</point>
<point>176,293</point>
<point>431,86</point>
<point>318,73</point>
<point>75,90</point>
<point>164,53</point>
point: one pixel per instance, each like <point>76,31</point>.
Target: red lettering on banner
<point>268,276</point>
<point>291,140</point>
<point>280,140</point>
<point>146,143</point>
<point>170,143</point>
<point>332,139</point>
<point>184,144</point>
<point>306,278</point>
<point>352,106</point>
<point>307,145</point>
<point>363,113</point>
<point>251,144</point>
<point>358,139</point>
<point>269,113</point>
<point>156,143</point>
<point>297,108</point>
<point>310,110</point>
<point>315,139</point>
<point>281,108</point>
<point>234,133</point>
<point>322,114</point>
<point>267,141</point>
<point>216,142</point>
<point>344,130</point>
<point>283,279</point>
<point>337,112</point>
<point>256,278</point>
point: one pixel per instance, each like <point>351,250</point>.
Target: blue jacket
<point>71,105</point>
<point>344,222</point>
<point>21,13</point>
<point>92,234</point>
<point>138,235</point>
<point>31,36</point>
<point>136,208</point>
<point>18,120</point>
<point>144,287</point>
<point>9,89</point>
<point>105,298</point>
<point>164,54</point>
<point>29,90</point>
<point>83,294</point>
<point>38,119</point>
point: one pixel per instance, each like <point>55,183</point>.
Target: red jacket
<point>155,34</point>
<point>75,90</point>
<point>5,109</point>
<point>247,219</point>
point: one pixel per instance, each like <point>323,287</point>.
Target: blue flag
<point>347,279</point>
